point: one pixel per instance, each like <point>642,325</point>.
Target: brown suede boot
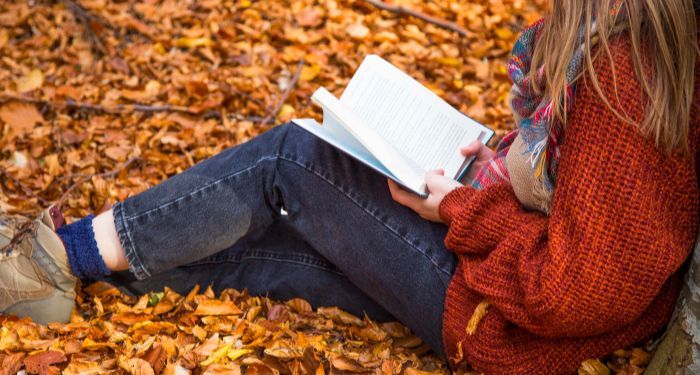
<point>35,277</point>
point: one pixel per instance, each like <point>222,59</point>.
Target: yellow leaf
<point>481,309</point>
<point>504,33</point>
<point>593,367</point>
<point>234,354</point>
<point>33,80</point>
<point>159,49</point>
<point>8,339</point>
<point>194,42</point>
<point>309,72</point>
<point>449,61</point>
<point>89,344</point>
<point>640,357</point>
<point>217,355</point>
<point>286,113</point>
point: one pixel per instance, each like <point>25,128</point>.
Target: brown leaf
<point>219,369</point>
<point>39,363</point>
<point>12,363</point>
<point>278,313</point>
<point>339,316</point>
<point>207,347</point>
<point>344,363</point>
<point>156,357</point>
<point>20,117</point>
<point>117,153</point>
<point>136,366</point>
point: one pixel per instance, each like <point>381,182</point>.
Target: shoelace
<point>23,230</point>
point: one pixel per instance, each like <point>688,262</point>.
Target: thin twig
<point>285,94</point>
<point>403,11</point>
<point>25,189</point>
<point>118,109</point>
<point>86,18</point>
<point>86,178</point>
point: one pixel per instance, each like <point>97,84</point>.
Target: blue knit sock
<point>84,257</point>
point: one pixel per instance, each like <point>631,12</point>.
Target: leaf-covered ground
<point>100,100</point>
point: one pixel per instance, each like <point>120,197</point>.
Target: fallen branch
<point>86,178</point>
<point>285,94</point>
<point>403,11</point>
<point>118,109</point>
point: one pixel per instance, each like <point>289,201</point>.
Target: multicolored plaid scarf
<point>541,133</point>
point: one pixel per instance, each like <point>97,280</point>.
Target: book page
<point>420,125</point>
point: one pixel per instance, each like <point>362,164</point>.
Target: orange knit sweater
<point>600,273</point>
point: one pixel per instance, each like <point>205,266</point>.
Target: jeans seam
<point>390,229</point>
<point>122,226</point>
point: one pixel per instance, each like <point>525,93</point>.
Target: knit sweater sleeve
<point>616,233</point>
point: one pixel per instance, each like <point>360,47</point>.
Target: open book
<point>395,125</point>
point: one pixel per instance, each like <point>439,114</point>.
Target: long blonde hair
<point>666,28</point>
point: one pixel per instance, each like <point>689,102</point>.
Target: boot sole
<point>55,308</point>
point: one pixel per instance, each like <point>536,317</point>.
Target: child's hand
<point>483,155</point>
<point>428,208</point>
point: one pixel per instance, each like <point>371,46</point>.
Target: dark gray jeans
<point>344,241</point>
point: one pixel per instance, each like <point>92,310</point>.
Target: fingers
<point>472,149</point>
<point>402,196</point>
<point>434,177</point>
<point>439,184</point>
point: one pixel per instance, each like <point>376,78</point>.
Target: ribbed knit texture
<point>83,255</point>
<point>603,271</point>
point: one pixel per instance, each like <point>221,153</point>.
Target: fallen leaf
<point>31,81</point>
<point>193,42</point>
<point>216,307</point>
<point>20,117</point>
<point>308,73</point>
<point>593,367</point>
<point>39,363</point>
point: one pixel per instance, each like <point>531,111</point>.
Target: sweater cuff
<point>453,202</point>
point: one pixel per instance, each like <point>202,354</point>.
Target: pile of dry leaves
<point>173,334</point>
<point>100,100</point>
<point>199,333</point>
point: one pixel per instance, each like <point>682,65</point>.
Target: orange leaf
<point>216,307</point>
